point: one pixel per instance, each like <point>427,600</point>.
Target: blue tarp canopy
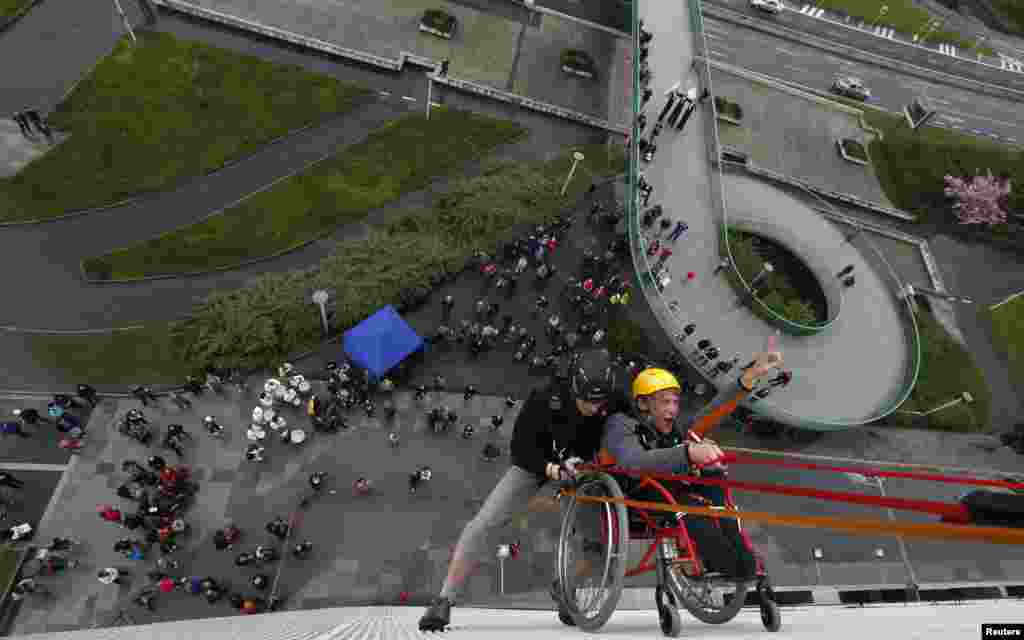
<point>380,342</point>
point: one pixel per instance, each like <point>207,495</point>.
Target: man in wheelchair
<point>652,437</point>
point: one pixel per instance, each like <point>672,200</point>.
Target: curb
<point>863,56</point>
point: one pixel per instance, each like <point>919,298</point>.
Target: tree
<point>983,199</point>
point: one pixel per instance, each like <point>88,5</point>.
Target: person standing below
<point>29,586</point>
<point>849,282</point>
<point>444,67</point>
<point>847,270</point>
<point>680,228</point>
<point>22,124</point>
<point>28,416</point>
<point>40,124</point>
<point>677,110</point>
<point>722,264</point>
<point>88,394</point>
<point>7,480</point>
<point>13,428</point>
<point>691,106</point>
<point>556,429</point>
<point>110,575</point>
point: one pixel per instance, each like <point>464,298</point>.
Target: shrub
<point>439,19</point>
<point>854,149</point>
<point>728,108</point>
<point>784,298</point>
<point>577,59</point>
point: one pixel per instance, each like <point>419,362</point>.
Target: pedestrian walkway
<point>867,315</point>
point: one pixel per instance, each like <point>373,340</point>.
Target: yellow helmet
<point>653,380</point>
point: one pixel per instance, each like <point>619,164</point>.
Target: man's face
<point>589,408</point>
<point>664,406</point>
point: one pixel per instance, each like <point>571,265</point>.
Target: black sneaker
<point>438,615</point>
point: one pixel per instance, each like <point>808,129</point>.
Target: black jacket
<point>550,428</point>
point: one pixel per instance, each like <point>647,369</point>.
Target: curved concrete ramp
<point>855,369</point>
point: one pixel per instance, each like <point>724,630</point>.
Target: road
<point>832,34</point>
<point>810,67</point>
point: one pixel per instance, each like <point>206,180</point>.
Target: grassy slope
<point>401,157</point>
<point>1007,325</point>
<point>152,115</point>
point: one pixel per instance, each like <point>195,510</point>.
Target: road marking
<point>384,93</point>
<point>798,69</point>
<point>974,115</point>
<point>435,104</point>
<point>31,466</point>
<point>713,36</point>
<point>717,53</point>
<point>408,98</point>
<point>941,101</point>
<point>785,51</point>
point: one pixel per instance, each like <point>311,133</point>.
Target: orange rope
<point>856,526</point>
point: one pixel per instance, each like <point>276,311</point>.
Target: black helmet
<point>593,378</point>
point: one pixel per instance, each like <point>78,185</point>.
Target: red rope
<point>953,510</point>
<point>871,473</point>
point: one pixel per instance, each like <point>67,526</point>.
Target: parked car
<point>769,6</point>
<point>851,88</point>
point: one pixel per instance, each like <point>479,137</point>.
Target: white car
<point>770,6</point>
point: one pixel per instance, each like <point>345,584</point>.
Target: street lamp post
<point>576,158</point>
<point>964,398</point>
<point>881,13</point>
<point>817,554</point>
<point>124,20</point>
<point>504,552</point>
<point>320,297</point>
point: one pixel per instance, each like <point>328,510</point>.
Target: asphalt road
<point>28,503</point>
<point>841,34</point>
<point>807,66</point>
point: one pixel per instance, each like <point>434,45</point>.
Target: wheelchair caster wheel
<point>770,616</point>
<point>668,619</point>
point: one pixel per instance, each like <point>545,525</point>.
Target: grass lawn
<point>910,166</point>
<point>165,110</point>
<point>1007,324</point>
<point>256,325</point>
<point>947,370</point>
<point>1012,11</point>
<point>400,157</point>
<point>9,8</point>
<point>902,15</point>
<point>123,358</point>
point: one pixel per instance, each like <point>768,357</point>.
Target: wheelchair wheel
<point>771,618</point>
<point>714,600</point>
<point>669,621</point>
<point>599,543</point>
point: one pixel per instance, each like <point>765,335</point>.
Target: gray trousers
<point>509,498</point>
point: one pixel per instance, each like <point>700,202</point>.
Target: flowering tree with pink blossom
<point>982,199</point>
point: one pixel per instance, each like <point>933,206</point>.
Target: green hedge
<point>783,297</point>
<point>11,8</point>
<point>578,59</point>
<point>439,19</point>
<point>154,114</point>
<point>1012,11</point>
<point>855,149</point>
<point>258,325</point>
<point>911,165</point>
<point>400,157</point>
<point>728,108</point>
